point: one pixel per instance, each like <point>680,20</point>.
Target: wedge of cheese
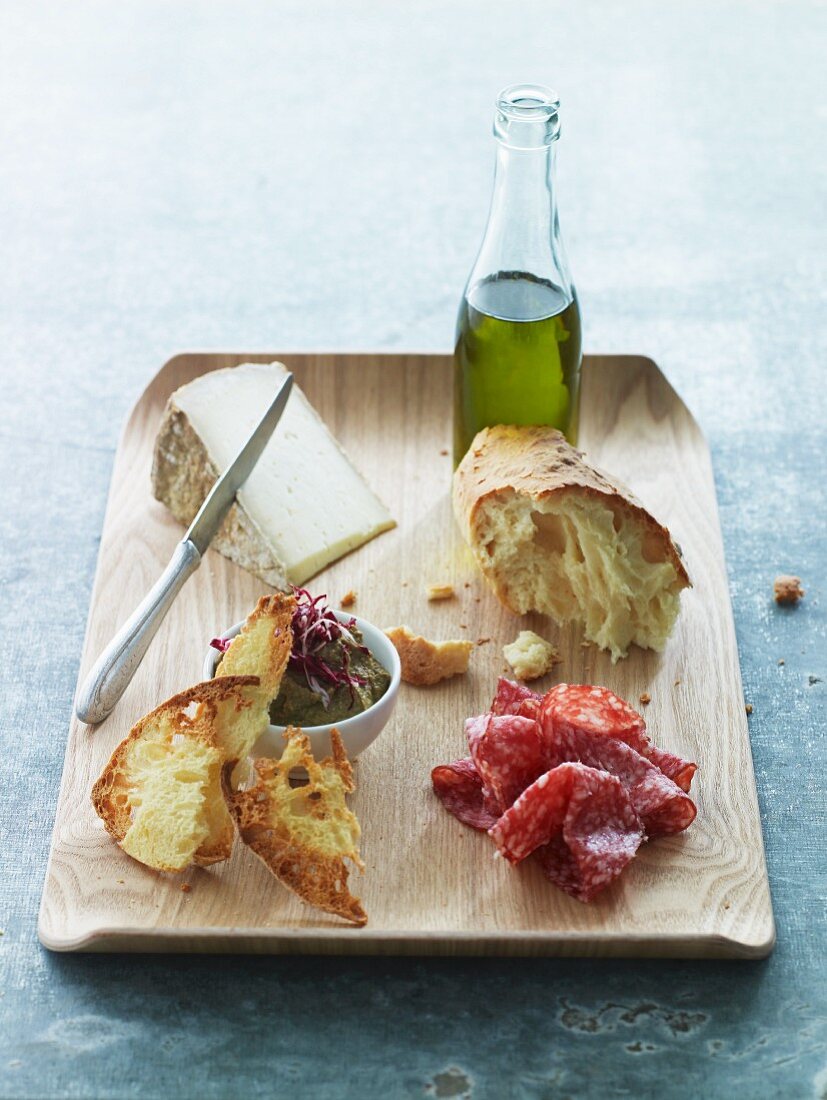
<point>303,506</point>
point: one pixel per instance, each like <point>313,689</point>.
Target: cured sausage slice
<point>582,822</point>
<point>596,711</point>
<point>459,788</point>
<point>507,754</point>
<point>673,767</point>
<point>659,802</point>
<point>512,698</point>
<point>600,836</point>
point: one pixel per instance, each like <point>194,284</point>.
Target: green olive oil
<point>517,357</point>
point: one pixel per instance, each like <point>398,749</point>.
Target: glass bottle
<point>518,344</point>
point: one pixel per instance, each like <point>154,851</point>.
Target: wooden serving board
<point>431,885</point>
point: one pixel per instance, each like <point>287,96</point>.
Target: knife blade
<point>114,669</point>
<point>211,514</point>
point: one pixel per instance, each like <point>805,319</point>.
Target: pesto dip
<point>297,704</point>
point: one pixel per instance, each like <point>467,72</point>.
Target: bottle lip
<point>527,116</point>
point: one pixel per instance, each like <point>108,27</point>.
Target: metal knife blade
<point>220,498</point>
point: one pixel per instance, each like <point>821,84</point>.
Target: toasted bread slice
<point>160,795</point>
<point>303,834</point>
<point>155,795</point>
<point>260,649</point>
<point>263,645</point>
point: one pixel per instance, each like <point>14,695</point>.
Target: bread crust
<point>110,794</point>
<point>539,462</point>
<point>317,877</point>
<point>787,588</point>
<point>183,474</point>
<point>425,662</point>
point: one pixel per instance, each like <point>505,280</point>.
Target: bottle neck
<point>523,231</point>
<point>522,221</point>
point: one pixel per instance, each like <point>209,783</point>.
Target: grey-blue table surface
<point>295,175</point>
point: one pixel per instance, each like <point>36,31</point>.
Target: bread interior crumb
<point>579,559</point>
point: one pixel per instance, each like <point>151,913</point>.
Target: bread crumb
<point>787,588</point>
<point>748,708</point>
<point>726,905</point>
<point>467,584</point>
<point>677,682</point>
<point>645,697</point>
<point>440,591</point>
<point>483,641</point>
<point>444,451</point>
<point>781,661</point>
<point>530,655</point>
<point>185,887</point>
<point>425,662</point>
<point>348,600</point>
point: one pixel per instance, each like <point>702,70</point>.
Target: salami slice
<point>512,698</point>
<point>598,711</point>
<point>537,815</point>
<point>507,754</point>
<point>659,802</point>
<point>601,835</point>
<point>580,821</point>
<point>595,711</point>
<point>459,788</point>
<point>673,767</point>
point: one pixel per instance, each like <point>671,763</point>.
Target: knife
<point>114,669</point>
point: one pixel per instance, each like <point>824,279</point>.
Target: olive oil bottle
<point>518,343</point>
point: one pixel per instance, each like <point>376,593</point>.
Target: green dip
<point>298,705</point>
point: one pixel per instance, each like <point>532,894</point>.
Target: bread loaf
<point>554,534</point>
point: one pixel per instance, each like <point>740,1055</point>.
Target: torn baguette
<point>553,534</point>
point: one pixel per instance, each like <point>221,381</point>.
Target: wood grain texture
<point>431,885</point>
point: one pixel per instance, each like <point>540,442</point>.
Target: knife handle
<point>114,669</point>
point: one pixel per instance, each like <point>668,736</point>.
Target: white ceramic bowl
<point>357,732</point>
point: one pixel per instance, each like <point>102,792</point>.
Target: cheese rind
<point>303,506</point>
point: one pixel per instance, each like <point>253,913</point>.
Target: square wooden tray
<point>431,885</point>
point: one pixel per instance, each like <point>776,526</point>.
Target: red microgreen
<point>221,644</point>
<point>315,626</point>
